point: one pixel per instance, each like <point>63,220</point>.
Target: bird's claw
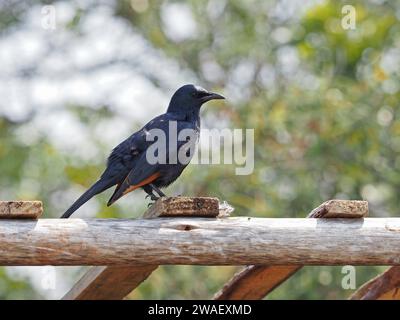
<point>153,198</point>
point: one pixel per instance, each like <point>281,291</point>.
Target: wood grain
<point>109,283</point>
<point>184,206</point>
<point>255,282</point>
<point>230,241</point>
<point>384,287</point>
<point>341,209</point>
<point>20,209</point>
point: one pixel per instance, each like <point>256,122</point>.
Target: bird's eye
<point>194,94</point>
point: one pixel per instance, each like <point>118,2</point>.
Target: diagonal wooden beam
<point>255,282</point>
<point>109,283</point>
<point>116,282</point>
<point>386,286</point>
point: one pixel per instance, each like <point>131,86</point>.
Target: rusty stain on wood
<point>255,282</point>
<point>20,209</point>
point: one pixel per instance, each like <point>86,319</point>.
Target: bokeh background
<point>323,102</point>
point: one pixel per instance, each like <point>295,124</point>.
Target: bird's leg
<point>160,193</point>
<point>150,194</point>
<point>153,197</point>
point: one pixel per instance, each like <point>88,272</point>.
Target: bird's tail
<point>98,187</point>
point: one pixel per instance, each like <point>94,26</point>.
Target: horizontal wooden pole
<point>203,241</point>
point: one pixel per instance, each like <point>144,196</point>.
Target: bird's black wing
<point>126,155</point>
<point>123,156</point>
<point>143,172</point>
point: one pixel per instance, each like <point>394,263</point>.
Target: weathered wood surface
<point>115,282</point>
<point>109,283</point>
<point>341,209</point>
<point>255,282</point>
<point>184,206</point>
<point>230,241</point>
<point>20,209</point>
<point>384,287</point>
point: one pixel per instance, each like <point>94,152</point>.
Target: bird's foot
<point>152,202</point>
<point>152,197</point>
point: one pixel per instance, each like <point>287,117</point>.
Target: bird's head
<point>191,97</point>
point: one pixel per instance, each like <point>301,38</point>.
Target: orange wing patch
<point>142,183</point>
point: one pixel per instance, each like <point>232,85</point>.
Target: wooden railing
<point>193,231</point>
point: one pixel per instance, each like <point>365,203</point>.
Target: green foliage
<point>11,288</point>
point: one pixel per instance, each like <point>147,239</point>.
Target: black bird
<point>128,167</point>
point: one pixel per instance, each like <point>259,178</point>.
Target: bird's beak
<point>212,96</point>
